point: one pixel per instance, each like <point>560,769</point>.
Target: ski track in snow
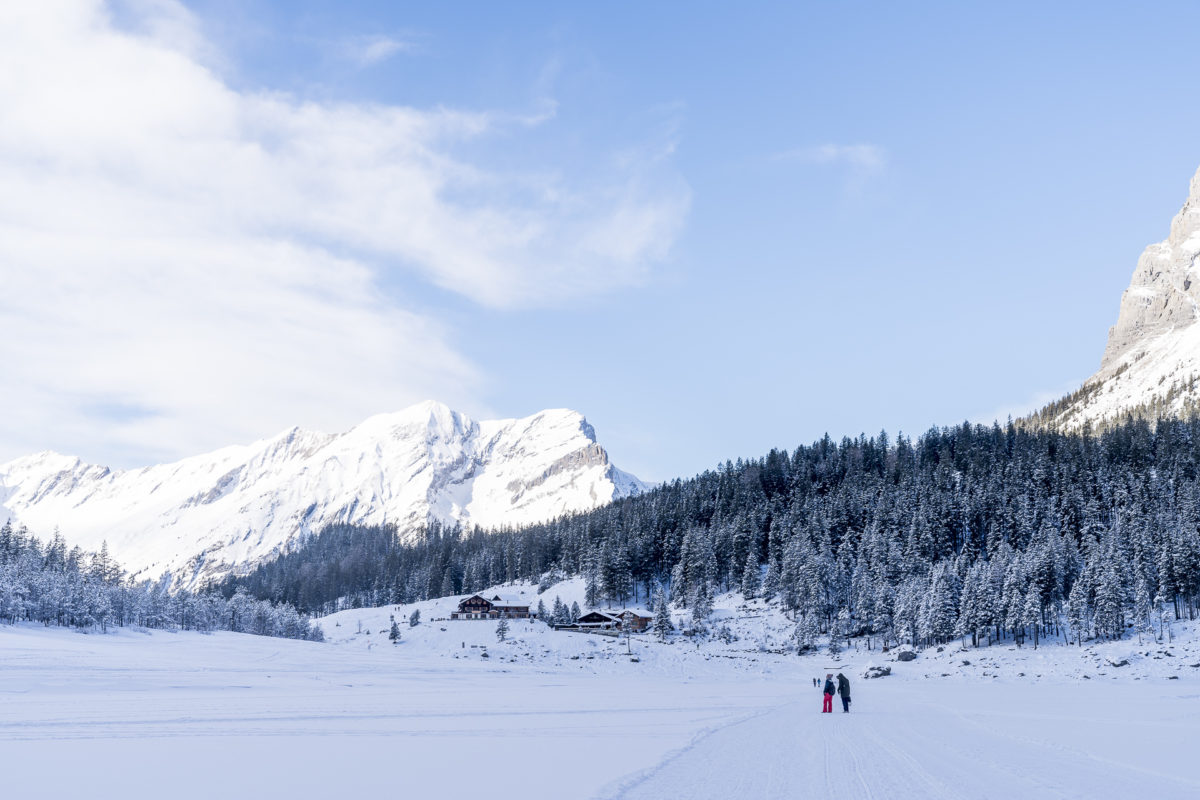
<point>913,748</point>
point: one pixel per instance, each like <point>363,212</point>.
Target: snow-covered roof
<point>639,612</point>
<point>505,602</point>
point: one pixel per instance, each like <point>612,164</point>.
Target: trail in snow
<point>914,740</point>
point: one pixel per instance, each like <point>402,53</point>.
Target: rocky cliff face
<point>204,516</point>
<point>1152,361</point>
<point>1162,297</point>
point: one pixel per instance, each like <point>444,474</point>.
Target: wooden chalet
<point>598,619</point>
<point>635,619</point>
<point>479,607</point>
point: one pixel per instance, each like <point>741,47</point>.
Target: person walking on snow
<point>844,691</point>
<point>827,706</point>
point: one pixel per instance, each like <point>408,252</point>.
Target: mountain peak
<point>428,414</point>
<point>207,515</point>
<point>1164,293</point>
<point>1151,362</point>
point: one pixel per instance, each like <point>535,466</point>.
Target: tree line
<point>56,585</point>
<point>980,532</point>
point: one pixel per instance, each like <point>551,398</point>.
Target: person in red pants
<point>827,708</point>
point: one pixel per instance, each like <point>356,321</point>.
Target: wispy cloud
<point>867,157</point>
<point>862,162</point>
<point>366,51</point>
<point>214,257</point>
<point>1035,402</point>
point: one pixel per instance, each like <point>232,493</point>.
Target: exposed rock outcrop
<point>1165,290</point>
<point>1151,364</point>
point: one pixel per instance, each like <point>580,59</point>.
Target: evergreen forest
<point>983,533</point>
<point>54,585</point>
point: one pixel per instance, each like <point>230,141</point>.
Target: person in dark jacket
<point>844,691</point>
<point>827,706</point>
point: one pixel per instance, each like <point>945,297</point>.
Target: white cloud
<point>184,265</point>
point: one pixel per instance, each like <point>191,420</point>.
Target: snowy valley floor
<point>559,715</point>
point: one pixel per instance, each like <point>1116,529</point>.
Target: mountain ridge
<point>207,515</point>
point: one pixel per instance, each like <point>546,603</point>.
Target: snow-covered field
<point>569,715</point>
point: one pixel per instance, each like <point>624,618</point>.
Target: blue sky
<point>843,218</point>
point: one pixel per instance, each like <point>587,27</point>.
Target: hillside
<point>988,533</point>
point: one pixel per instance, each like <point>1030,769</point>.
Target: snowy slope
<point>760,644</point>
<point>203,516</point>
<point>1152,357</point>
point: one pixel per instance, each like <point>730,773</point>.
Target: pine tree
<point>939,609</point>
<point>770,583</point>
<point>1141,609</point>
<point>1164,618</point>
<point>701,607</point>
<point>394,633</point>
<point>804,635</point>
<point>591,590</point>
<point>414,619</point>
<point>662,614</point>
<point>502,629</point>
<point>750,580</point>
<point>1077,610</point>
<point>968,606</point>
<point>1110,603</point>
<point>1031,611</point>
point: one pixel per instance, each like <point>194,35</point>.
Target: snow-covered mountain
<point>1152,359</point>
<point>227,510</point>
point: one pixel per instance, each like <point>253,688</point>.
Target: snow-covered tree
<point>662,614</point>
<point>701,606</point>
<point>750,578</point>
<point>804,635</point>
<point>770,583</point>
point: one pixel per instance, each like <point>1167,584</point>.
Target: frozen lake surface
<point>176,715</point>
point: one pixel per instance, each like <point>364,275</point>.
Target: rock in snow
<point>228,510</point>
